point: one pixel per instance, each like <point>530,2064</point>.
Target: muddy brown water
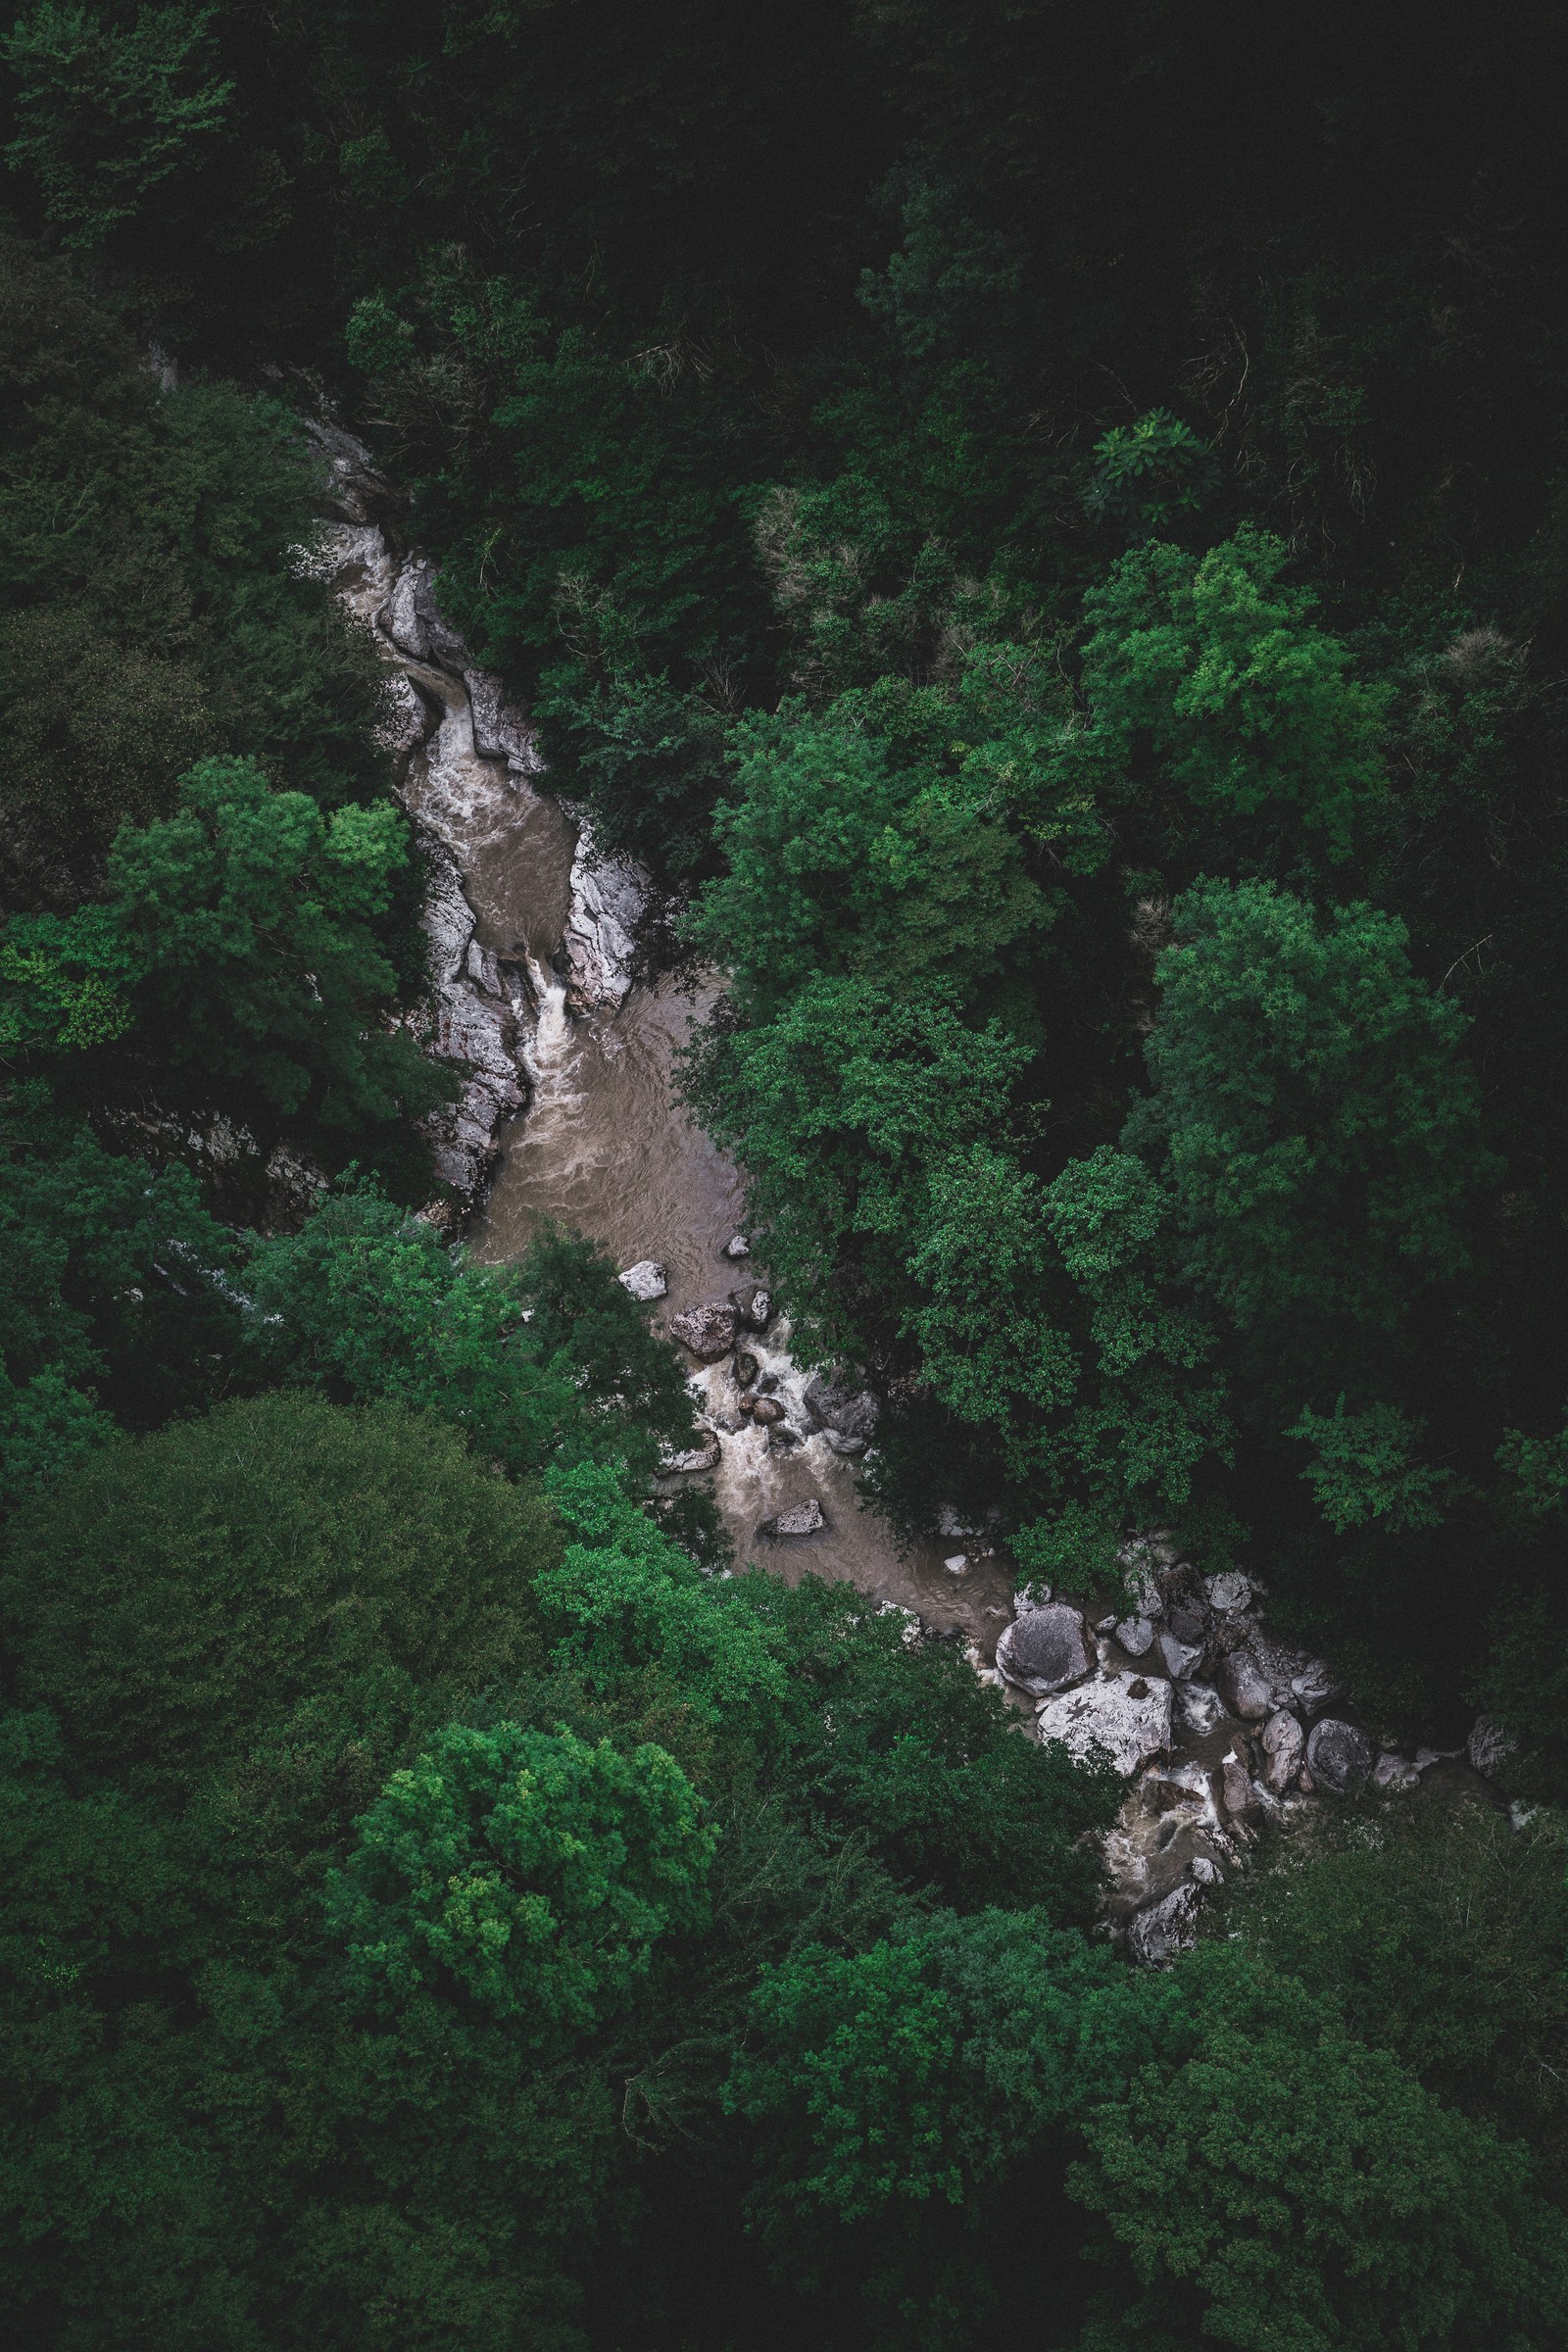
<point>606,1147</point>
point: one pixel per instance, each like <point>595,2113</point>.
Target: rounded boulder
<point>1046,1650</point>
<point>1340,1757</point>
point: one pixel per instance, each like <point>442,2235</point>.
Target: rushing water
<point>606,1147</point>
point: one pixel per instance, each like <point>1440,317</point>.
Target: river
<point>603,1144</point>
<point>537,982</point>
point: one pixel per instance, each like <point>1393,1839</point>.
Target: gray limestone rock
<point>801,1519</point>
<point>852,1411</point>
<point>1126,1714</point>
<point>1046,1649</point>
<point>737,1246</point>
<point>646,1280</point>
<point>500,730</point>
<point>1240,1794</point>
<point>1340,1757</point>
<point>1136,1636</point>
<point>708,1331</point>
<point>1488,1747</point>
<point>702,1456</point>
<point>754,1305</point>
<point>1157,1933</point>
<point>1284,1748</point>
<point>1394,1773</point>
<point>1182,1659</point>
<point>1228,1592</point>
<point>1313,1683</point>
<point>414,623</point>
<point>1246,1686</point>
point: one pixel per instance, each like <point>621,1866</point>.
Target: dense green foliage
<point>1046,532</point>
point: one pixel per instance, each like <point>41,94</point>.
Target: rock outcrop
<point>599,944</point>
<point>1045,1650</point>
<point>1488,1747</point>
<point>478,1023</point>
<point>1340,1757</point>
<point>1127,1715</point>
<point>1284,1752</point>
<point>801,1519</point>
<point>646,1280</point>
<point>1156,1935</point>
<point>709,1330</point>
<point>841,1407</point>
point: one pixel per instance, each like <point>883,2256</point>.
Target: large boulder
<point>1259,1676</point>
<point>708,1331</point>
<point>1246,1688</point>
<point>1182,1659</point>
<point>1044,1650</point>
<point>1157,1933</point>
<point>754,1305</point>
<point>1340,1757</point>
<point>838,1406</point>
<point>1128,1715</point>
<point>703,1456</point>
<point>801,1519</point>
<point>1136,1636</point>
<point>647,1281</point>
<point>1284,1750</point>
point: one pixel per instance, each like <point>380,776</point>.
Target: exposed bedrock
<point>467,757</point>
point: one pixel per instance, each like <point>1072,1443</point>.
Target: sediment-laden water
<point>572,1115</point>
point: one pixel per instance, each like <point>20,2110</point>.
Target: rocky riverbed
<point>1225,1729</point>
<point>568,1112</point>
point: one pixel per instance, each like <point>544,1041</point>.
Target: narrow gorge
<point>569,1113</point>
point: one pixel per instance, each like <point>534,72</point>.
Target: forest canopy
<point>1046,535</point>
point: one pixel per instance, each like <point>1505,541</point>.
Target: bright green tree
<point>528,1870</point>
<point>552,1358</point>
<point>848,850</point>
<point>243,937</point>
<point>1207,682</point>
<point>839,1107</point>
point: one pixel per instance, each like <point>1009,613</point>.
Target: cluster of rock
<point>1189,1666</point>
<point>745,1386</point>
